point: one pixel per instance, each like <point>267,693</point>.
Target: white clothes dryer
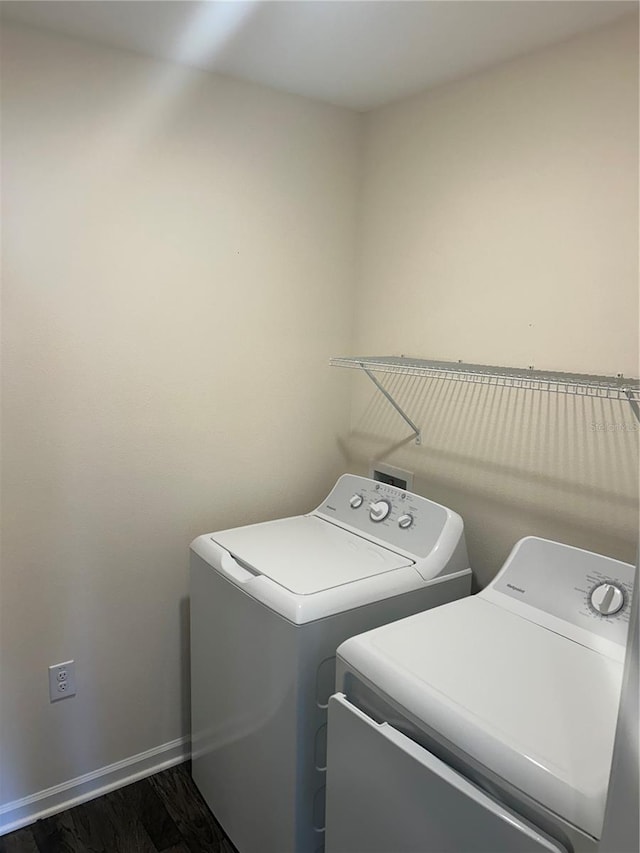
<point>270,603</point>
<point>486,725</point>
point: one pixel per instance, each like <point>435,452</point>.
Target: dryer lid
<point>534,708</point>
<point>306,554</point>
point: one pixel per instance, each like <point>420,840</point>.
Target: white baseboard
<point>29,809</point>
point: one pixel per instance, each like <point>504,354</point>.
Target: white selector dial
<point>379,510</point>
<point>607,599</point>
<point>355,501</point>
<point>405,520</point>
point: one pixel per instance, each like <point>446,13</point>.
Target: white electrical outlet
<point>62,680</point>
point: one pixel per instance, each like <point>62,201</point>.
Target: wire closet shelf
<point>581,384</point>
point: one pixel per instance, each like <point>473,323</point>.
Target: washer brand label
<point>516,588</point>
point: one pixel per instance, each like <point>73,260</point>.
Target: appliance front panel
<point>385,792</point>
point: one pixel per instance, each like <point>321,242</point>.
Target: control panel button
<point>405,520</point>
<point>607,599</point>
<point>356,501</point>
<point>379,510</point>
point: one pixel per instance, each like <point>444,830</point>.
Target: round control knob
<point>405,520</point>
<point>607,599</point>
<point>379,510</point>
<point>355,501</point>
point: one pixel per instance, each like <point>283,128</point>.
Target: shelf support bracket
<point>635,408</point>
<point>416,432</point>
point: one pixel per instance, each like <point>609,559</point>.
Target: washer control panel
<point>586,589</point>
<point>399,518</point>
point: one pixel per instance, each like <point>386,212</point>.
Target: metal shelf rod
<point>395,405</point>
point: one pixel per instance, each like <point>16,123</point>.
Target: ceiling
<point>357,53</point>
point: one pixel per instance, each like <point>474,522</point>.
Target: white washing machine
<point>270,603</point>
<point>487,725</point>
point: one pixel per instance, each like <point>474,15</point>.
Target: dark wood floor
<point>162,813</point>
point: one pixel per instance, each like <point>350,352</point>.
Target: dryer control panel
<point>399,518</point>
<point>588,590</point>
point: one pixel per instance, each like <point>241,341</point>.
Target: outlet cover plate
<point>62,680</point>
<point>392,475</point>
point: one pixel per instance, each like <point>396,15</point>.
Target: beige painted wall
<point>500,226</point>
<point>179,264</point>
<point>177,271</point>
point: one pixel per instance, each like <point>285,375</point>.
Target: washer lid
<point>535,708</point>
<point>306,554</point>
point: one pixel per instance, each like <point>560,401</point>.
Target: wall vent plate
<point>391,475</point>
